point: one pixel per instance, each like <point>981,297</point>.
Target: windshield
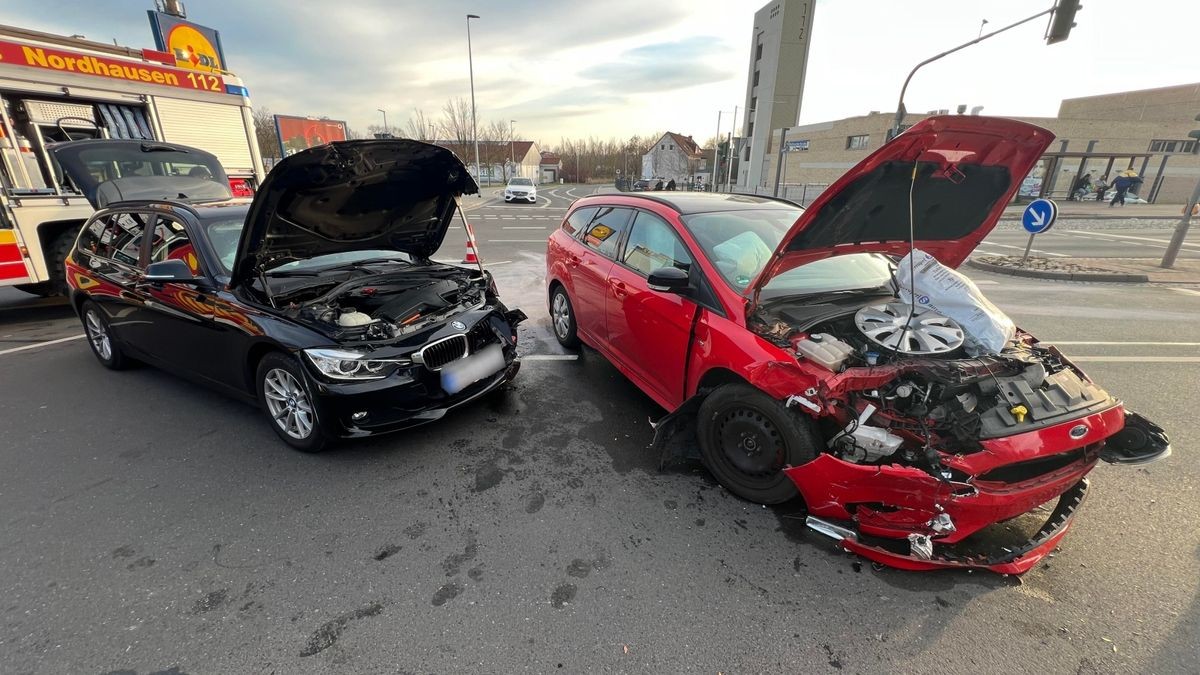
<point>225,233</point>
<point>740,243</point>
<point>520,181</point>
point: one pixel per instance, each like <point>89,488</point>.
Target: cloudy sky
<point>618,67</point>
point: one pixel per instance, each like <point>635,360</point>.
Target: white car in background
<point>520,189</point>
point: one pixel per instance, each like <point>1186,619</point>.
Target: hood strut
<point>262,276</point>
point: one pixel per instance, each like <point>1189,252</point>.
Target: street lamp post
<point>385,127</point>
<point>474,124</point>
<point>512,142</point>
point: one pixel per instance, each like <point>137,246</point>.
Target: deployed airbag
<point>951,294</point>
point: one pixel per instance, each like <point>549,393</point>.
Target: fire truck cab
<point>55,89</point>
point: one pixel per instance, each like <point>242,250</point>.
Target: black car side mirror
<point>170,272</point>
<point>669,280</point>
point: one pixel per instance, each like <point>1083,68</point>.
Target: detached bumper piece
<point>925,553</point>
<point>1140,442</point>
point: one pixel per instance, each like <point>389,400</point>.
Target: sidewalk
<point>1129,270</point>
<point>1102,211</point>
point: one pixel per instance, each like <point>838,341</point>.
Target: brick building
<point>1144,130</point>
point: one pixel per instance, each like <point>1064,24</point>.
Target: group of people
<point>669,186</point>
<point>1121,185</point>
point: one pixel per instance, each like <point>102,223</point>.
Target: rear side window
<point>576,222</point>
<point>605,230</point>
<point>116,236</point>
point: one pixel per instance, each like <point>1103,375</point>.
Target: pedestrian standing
<point>1121,185</point>
<point>671,184</point>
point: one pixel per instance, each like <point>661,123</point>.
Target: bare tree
<point>420,127</point>
<point>264,133</point>
<point>456,121</point>
<point>495,146</point>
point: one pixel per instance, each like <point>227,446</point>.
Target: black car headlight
<point>341,364</point>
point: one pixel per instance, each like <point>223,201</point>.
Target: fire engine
<point>55,89</point>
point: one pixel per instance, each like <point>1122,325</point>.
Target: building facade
<point>674,157</point>
<point>499,160</point>
<point>1146,131</point>
<point>774,80</point>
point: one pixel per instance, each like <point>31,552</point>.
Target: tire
<point>286,400</point>
<point>747,438</point>
<point>56,256</point>
<point>98,333</point>
<point>562,318</point>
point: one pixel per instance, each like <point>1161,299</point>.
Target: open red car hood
<point>961,171</point>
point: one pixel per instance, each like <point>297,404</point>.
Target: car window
<point>116,236</point>
<point>605,230</point>
<point>223,235</point>
<point>853,271</point>
<point>171,242</point>
<point>577,221</point>
<point>739,243</point>
<point>520,181</point>
<point>653,244</point>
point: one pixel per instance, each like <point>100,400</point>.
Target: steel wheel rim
<point>750,443</point>
<point>98,335</point>
<point>288,404</point>
<point>562,315</point>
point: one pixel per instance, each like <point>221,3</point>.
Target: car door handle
<point>574,260</point>
<point>619,289</point>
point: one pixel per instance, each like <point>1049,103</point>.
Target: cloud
<point>664,66</point>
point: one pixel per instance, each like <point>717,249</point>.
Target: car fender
<point>720,344</point>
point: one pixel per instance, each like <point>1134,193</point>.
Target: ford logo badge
<point>1079,431</point>
<point>462,326</point>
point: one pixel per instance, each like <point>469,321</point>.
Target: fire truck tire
<point>57,258</point>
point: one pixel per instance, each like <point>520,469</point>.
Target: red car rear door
<point>590,275</point>
<point>648,331</point>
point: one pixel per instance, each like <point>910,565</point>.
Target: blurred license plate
<point>460,374</point>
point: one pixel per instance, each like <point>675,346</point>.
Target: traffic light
<point>1062,21</point>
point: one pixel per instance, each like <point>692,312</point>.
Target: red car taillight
<point>241,187</point>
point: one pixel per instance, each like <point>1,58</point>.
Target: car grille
<point>438,354</point>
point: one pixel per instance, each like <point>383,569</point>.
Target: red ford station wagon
<point>784,350</point>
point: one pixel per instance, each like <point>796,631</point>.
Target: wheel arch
<point>254,355</point>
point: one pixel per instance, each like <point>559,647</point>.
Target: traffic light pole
<point>1181,230</point>
<point>900,111</point>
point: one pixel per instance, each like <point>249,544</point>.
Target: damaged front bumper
<point>925,553</point>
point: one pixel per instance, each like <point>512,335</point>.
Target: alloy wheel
<point>288,403</point>
<point>562,315</point>
<point>97,334</point>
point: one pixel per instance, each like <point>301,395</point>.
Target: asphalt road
<point>147,524</point>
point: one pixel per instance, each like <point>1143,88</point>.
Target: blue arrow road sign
<point>1039,216</point>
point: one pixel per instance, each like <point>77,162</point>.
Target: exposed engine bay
<point>907,389</point>
<point>370,304</point>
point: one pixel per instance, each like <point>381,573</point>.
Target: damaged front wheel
<point>747,438</point>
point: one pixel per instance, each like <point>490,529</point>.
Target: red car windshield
<point>739,244</point>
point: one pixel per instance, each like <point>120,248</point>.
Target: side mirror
<point>170,272</point>
<point>669,280</point>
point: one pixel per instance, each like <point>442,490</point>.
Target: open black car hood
<point>394,195</point>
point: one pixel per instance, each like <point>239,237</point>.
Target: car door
<point>109,248</point>
<point>648,331</point>
<point>590,275</point>
<point>180,330</point>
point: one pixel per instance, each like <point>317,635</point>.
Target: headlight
<point>339,364</point>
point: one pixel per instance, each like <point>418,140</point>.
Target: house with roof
<point>674,157</point>
<point>551,167</point>
<point>499,160</point>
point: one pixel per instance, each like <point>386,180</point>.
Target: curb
<point>1114,277</point>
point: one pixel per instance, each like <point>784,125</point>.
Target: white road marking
<point>986,282</point>
<point>1133,342</point>
<point>1136,359</point>
<point>1131,237</point>
<point>550,357</point>
<point>498,262</point>
<point>1032,250</point>
<point>47,343</point>
<point>1185,291</point>
<point>523,227</point>
<point>516,241</point>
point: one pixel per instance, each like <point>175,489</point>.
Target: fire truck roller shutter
<point>215,127</point>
